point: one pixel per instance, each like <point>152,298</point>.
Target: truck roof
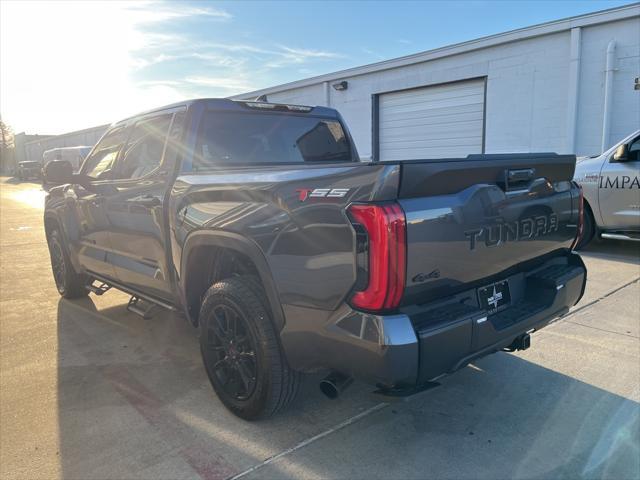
<point>227,104</point>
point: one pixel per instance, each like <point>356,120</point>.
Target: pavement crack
<point>602,329</point>
<point>596,301</point>
<point>599,299</point>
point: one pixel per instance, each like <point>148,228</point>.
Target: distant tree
<point>6,136</point>
<point>7,145</point>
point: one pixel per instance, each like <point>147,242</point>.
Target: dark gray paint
<point>303,251</point>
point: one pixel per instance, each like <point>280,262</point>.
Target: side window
<point>99,165</point>
<point>634,150</point>
<point>143,153</point>
<point>175,147</point>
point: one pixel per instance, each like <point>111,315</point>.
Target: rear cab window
<point>249,138</point>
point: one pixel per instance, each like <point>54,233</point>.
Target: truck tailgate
<point>470,220</point>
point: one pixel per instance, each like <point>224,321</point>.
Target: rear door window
<point>99,165</point>
<point>175,148</point>
<point>144,150</point>
<point>250,138</point>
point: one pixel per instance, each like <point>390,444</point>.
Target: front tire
<point>69,283</point>
<point>241,352</point>
<point>589,229</point>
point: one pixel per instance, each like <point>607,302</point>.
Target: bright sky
<point>72,65</point>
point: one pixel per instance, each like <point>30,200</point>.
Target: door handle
<point>520,175</point>
<point>518,179</point>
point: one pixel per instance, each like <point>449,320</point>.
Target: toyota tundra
<point>259,222</point>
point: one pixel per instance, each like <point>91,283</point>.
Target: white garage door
<point>432,122</point>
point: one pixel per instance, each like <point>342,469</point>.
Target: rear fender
<point>242,245</point>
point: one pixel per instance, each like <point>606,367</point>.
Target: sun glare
<point>68,65</point>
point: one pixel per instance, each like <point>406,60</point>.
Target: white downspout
<point>327,94</point>
<point>574,89</point>
<point>608,93</point>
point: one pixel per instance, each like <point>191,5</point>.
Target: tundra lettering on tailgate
<point>524,229</point>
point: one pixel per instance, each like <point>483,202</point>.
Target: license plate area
<point>494,297</point>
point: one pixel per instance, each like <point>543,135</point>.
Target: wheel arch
<point>587,205</point>
<point>588,209</point>
<point>203,250</point>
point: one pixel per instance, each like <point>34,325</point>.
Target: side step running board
<point>140,307</point>
<point>139,303</point>
<point>620,236</point>
<point>100,289</point>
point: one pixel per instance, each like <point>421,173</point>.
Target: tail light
<point>384,255</point>
<point>580,229</point>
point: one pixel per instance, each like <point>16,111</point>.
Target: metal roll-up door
<point>432,122</point>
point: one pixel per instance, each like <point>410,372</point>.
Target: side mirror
<point>622,153</point>
<point>58,172</point>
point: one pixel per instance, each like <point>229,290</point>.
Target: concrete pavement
<point>89,390</point>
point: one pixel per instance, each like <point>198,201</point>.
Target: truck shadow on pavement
<point>135,402</point>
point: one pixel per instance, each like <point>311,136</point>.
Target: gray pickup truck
<point>259,222</point>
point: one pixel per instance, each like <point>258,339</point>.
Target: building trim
<point>566,24</point>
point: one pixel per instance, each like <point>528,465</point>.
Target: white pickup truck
<point>611,186</point>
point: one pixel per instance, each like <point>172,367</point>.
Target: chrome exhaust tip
<point>334,384</point>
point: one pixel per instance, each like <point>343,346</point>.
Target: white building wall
<point>527,95</point>
<point>626,101</point>
<point>527,98</point>
<point>88,137</point>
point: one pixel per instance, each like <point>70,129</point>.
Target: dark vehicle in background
<point>29,169</point>
<point>259,222</point>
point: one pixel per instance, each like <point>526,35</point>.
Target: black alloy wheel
<point>230,352</point>
<point>69,283</point>
<point>57,264</point>
<point>241,350</point>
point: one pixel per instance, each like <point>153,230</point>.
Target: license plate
<point>494,297</point>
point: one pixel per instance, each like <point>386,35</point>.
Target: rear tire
<point>589,228</point>
<point>69,283</point>
<point>240,350</point>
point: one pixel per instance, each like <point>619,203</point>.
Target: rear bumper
<point>425,342</point>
